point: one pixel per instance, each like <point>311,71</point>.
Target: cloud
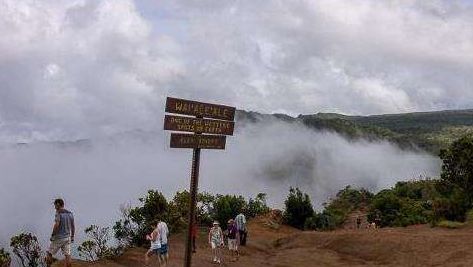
<point>96,176</point>
<point>75,69</point>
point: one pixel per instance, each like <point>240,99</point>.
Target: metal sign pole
<point>192,204</point>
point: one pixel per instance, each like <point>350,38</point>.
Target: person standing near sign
<point>163,233</point>
<point>232,239</point>
<point>62,235</point>
<point>240,222</point>
<point>216,241</point>
<point>155,245</point>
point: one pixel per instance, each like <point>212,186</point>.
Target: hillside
<point>430,131</point>
<point>273,245</point>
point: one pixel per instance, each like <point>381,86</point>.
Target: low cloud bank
<point>96,176</point>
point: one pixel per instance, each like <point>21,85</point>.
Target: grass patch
<point>450,224</point>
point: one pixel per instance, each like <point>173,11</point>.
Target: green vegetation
<point>138,221</point>
<point>430,131</point>
<point>405,204</point>
<point>450,224</point>
<point>298,208</point>
<point>439,202</point>
<point>5,258</point>
<point>97,244</point>
<point>26,247</point>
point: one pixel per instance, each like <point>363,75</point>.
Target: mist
<point>96,176</point>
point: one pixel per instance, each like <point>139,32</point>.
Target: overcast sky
<point>75,69</point>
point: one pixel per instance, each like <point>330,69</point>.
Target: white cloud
<point>82,68</point>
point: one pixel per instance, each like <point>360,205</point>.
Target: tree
<point>26,247</point>
<point>226,207</point>
<point>257,206</point>
<point>5,258</point>
<point>96,247</point>
<point>298,208</point>
<point>457,168</point>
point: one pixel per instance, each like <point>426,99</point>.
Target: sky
<point>99,71</point>
<point>77,69</point>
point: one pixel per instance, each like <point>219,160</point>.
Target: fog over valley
<point>96,176</point>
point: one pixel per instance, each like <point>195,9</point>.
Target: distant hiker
<point>194,237</point>
<point>216,241</point>
<point>232,239</point>
<point>358,222</point>
<point>155,247</point>
<point>163,232</point>
<point>377,219</point>
<point>62,235</point>
<point>240,222</point>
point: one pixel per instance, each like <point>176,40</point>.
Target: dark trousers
<point>193,243</point>
<point>243,235</point>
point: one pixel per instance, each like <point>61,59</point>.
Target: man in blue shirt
<point>62,235</point>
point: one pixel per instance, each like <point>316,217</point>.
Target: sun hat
<point>216,223</point>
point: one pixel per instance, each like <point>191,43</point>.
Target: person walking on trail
<point>232,239</point>
<point>240,222</point>
<point>155,247</point>
<point>163,233</point>
<point>216,241</point>
<point>62,235</point>
<point>358,222</point>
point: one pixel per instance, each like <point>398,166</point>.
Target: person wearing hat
<point>232,239</point>
<point>216,241</point>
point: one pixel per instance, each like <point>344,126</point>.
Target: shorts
<point>215,244</point>
<point>163,250</point>
<point>63,244</point>
<point>232,244</point>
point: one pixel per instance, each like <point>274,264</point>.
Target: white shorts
<point>214,244</point>
<point>63,244</point>
<point>232,244</point>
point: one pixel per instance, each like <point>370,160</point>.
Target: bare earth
<point>272,245</point>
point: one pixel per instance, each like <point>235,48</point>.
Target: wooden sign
<point>197,141</point>
<point>218,128</point>
<point>199,109</point>
<point>187,124</point>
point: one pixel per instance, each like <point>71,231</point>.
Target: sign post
<point>208,134</point>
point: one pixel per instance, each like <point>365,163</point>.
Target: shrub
<point>97,245</point>
<point>457,167</point>
<point>298,208</point>
<point>5,258</point>
<point>450,224</point>
<point>257,206</point>
<point>226,207</point>
<point>346,201</point>
<point>26,247</point>
<point>405,204</point>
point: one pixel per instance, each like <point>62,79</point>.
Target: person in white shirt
<point>163,232</point>
<point>155,245</point>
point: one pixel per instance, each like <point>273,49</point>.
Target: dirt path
<point>273,245</point>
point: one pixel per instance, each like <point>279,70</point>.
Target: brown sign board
<point>179,140</point>
<point>199,109</point>
<point>188,124</point>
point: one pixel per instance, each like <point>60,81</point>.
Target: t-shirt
<point>216,235</point>
<point>163,232</point>
<point>156,243</point>
<point>232,231</point>
<point>66,221</point>
<point>240,222</point>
